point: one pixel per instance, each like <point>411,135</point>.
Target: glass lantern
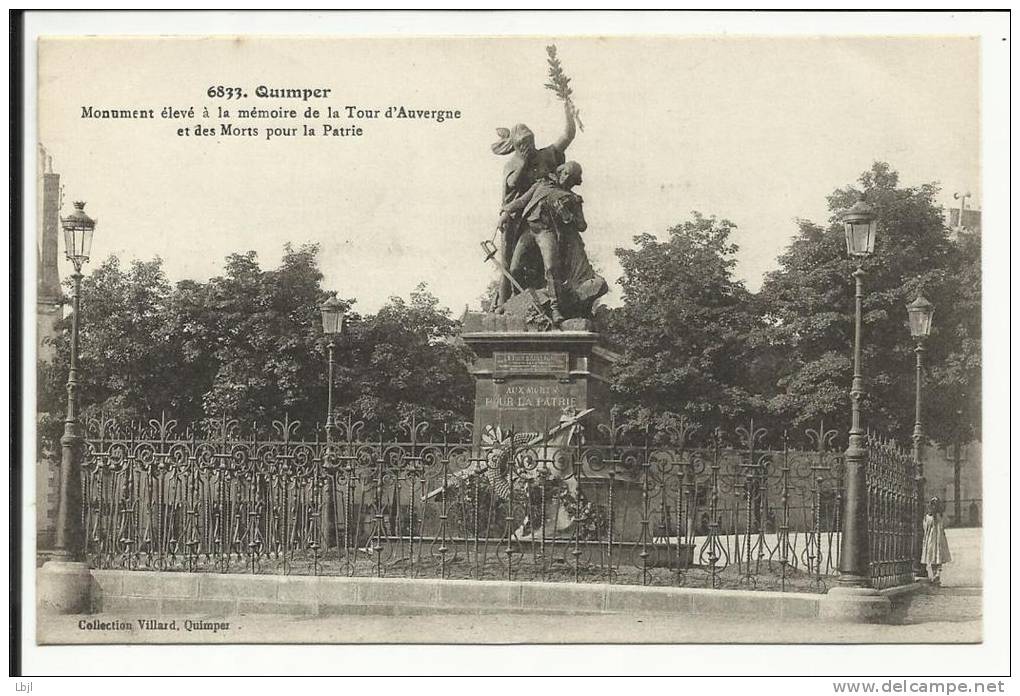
<point>919,314</point>
<point>332,317</point>
<point>861,226</point>
<point>78,230</point>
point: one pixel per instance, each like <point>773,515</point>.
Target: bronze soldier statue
<point>552,218</point>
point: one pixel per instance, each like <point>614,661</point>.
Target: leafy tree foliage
<point>683,326</point>
<point>248,344</point>
<point>953,397</point>
<point>693,340</point>
<point>125,349</point>
<point>406,359</point>
<point>807,310</point>
<point>255,337</point>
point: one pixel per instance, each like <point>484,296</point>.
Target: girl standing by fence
<point>935,550</point>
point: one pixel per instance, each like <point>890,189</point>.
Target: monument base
<point>525,380</point>
<point>854,605</point>
<point>64,587</point>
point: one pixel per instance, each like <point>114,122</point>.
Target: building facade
<point>49,312</point>
<point>49,298</point>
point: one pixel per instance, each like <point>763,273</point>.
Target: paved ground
<point>958,602</point>
<point>951,613</point>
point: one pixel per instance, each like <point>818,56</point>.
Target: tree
<point>255,337</point>
<point>248,344</point>
<point>953,396</point>
<point>682,329</point>
<point>406,359</point>
<point>125,354</point>
<point>807,311</point>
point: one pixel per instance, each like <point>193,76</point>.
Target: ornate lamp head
<point>919,314</point>
<point>78,230</point>
<point>332,317</point>
<point>861,226</point>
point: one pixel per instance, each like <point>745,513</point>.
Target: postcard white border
<point>989,658</point>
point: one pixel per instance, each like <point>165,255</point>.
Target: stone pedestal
<point>64,587</point>
<point>525,379</point>
<point>854,605</point>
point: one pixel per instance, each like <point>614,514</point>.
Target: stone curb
<point>895,593</point>
<point>122,591</point>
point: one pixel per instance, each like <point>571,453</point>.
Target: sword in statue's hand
<point>491,251</point>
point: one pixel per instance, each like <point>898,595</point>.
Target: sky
<point>755,130</point>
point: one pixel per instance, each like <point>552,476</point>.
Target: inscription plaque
<point>530,363</point>
<point>531,396</point>
<point>524,383</point>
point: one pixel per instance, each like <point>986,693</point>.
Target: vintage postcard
<point>591,337</point>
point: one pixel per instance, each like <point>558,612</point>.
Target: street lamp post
<point>860,226</point>
<point>919,315</point>
<point>70,536</point>
<point>64,580</point>
<point>332,326</point>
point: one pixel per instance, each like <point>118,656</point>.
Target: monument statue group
<point>539,368</point>
<point>547,278</point>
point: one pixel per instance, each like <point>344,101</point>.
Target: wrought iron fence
<point>639,506</point>
<point>626,504</point>
<point>893,514</point>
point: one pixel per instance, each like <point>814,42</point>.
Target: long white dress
<point>935,550</point>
